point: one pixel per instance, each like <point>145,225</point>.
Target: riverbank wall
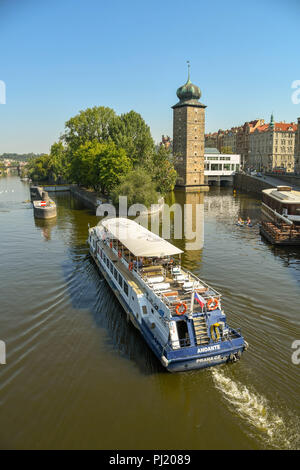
<point>250,185</point>
<point>92,200</point>
<point>89,198</point>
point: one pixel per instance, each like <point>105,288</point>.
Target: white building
<point>220,164</point>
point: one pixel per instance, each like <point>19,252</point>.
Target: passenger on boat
<point>240,221</point>
<point>138,263</point>
<point>248,221</point>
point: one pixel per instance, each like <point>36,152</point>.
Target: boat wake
<point>256,410</point>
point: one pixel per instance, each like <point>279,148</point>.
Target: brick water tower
<point>188,137</point>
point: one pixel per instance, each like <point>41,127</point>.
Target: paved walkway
<point>275,181</point>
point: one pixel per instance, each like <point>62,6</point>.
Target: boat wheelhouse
<point>178,314</point>
<point>281,211</point>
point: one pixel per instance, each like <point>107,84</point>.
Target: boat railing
<point>217,294</point>
<point>160,294</point>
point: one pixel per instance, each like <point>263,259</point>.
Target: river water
<point>78,376</point>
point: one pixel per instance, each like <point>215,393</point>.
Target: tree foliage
<point>138,186</point>
<point>53,167</point>
<point>130,132</point>
<point>162,169</point>
<point>99,165</point>
<point>89,125</point>
<point>226,149</point>
<point>106,152</point>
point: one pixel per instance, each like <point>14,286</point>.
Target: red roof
<point>279,126</point>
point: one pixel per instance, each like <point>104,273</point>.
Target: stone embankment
<point>89,198</point>
<point>249,184</point>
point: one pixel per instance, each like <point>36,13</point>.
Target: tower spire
<point>189,66</point>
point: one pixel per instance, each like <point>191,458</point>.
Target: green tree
<point>163,171</point>
<point>130,132</point>
<point>38,168</point>
<point>138,186</point>
<point>89,125</point>
<point>99,165</point>
<point>53,167</point>
<point>226,149</point>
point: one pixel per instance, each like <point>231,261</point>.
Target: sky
<point>62,56</point>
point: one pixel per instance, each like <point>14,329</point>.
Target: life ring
<point>110,244</point>
<point>130,266</point>
<point>215,303</point>
<point>119,254</point>
<point>179,312</point>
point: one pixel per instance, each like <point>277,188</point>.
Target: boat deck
<point>172,284</point>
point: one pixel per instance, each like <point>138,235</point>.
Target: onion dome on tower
<point>188,93</point>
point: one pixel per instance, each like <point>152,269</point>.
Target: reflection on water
<point>45,226</point>
<point>79,376</point>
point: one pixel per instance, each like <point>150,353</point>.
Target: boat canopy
<point>285,196</point>
<point>137,239</point>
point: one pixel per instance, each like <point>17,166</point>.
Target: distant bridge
<point>14,167</point>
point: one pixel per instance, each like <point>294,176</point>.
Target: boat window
<point>107,262</point>
<point>120,280</point>
<point>125,288</point>
<point>116,274</point>
<point>144,309</point>
<point>111,268</point>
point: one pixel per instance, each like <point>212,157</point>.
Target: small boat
<point>179,315</point>
<point>281,215</point>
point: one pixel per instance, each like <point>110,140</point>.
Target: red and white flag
<point>200,299</point>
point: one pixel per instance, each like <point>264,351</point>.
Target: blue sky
<point>58,57</point>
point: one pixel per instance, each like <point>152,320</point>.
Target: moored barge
<point>281,215</point>
<point>179,315</point>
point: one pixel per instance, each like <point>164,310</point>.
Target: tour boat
<point>281,211</point>
<point>179,315</point>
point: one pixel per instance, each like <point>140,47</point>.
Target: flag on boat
<point>200,299</point>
